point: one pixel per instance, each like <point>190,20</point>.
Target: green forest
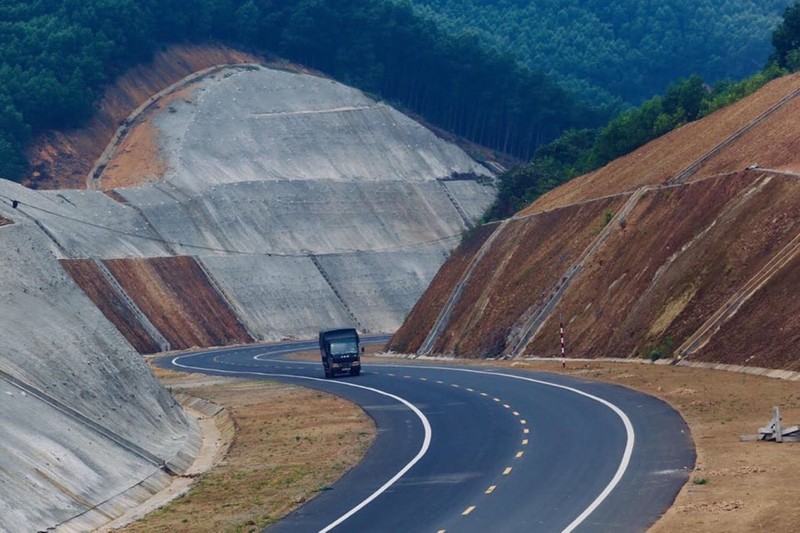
<point>56,55</point>
<point>629,50</point>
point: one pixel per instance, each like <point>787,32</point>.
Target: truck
<point>339,350</point>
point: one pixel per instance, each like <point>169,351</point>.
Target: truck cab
<point>340,352</point>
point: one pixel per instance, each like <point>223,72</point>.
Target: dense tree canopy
<point>626,49</point>
<point>55,56</point>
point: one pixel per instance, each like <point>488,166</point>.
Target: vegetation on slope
<point>577,152</point>
<point>56,55</point>
<point>621,49</point>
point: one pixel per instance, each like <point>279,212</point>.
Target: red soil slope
<point>177,297</point>
<point>5,221</point>
<point>694,247</point>
<point>679,258</point>
<point>88,277</point>
<point>663,158</point>
<point>427,309</point>
<point>62,160</point>
<point>519,272</point>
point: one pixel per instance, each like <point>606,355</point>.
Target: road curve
<point>473,449</point>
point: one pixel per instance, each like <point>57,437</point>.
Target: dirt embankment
<point>61,160</point>
<point>5,221</point>
<point>518,273</point>
<point>682,253</point>
<point>88,276</point>
<point>179,299</point>
<point>711,261</point>
<point>425,312</point>
<point>665,157</point>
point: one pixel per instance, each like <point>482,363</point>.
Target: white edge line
<point>626,456</point>
<point>426,442</point>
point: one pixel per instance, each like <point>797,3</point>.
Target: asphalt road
<point>472,449</point>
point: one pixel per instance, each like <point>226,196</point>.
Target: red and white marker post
<point>563,351</point>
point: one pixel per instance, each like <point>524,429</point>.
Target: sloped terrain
<point>423,315</point>
<point>85,424</point>
<point>250,204</point>
<point>178,298</point>
<point>658,161</point>
<point>87,275</point>
<point>64,159</point>
<point>695,245</point>
<point>701,266</point>
<point>520,271</point>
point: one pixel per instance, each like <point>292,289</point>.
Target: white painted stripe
<point>469,510</point>
<point>630,434</point>
<point>524,442</point>
<point>426,441</point>
<point>490,489</point>
<point>507,471</point>
<point>519,454</point>
<point>626,454</point>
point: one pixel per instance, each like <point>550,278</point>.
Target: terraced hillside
<point>239,203</point>
<point>698,263</point>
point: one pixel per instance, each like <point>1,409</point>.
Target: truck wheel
<point>355,371</point>
<point>327,373</point>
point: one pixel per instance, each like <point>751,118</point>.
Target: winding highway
<point>475,449</point>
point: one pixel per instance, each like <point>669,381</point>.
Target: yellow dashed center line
<point>490,489</point>
<point>519,454</point>
<point>507,471</point>
<point>468,510</point>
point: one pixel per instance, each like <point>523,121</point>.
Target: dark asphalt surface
<point>505,453</point>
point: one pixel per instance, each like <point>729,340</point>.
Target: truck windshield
<point>343,346</point>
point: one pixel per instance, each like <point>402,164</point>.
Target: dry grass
<point>274,464</point>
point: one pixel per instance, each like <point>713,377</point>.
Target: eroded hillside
<point>675,248</point>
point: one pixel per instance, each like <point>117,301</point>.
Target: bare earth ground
<point>272,467</point>
<point>274,463</point>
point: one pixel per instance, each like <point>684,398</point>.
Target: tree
<point>786,37</point>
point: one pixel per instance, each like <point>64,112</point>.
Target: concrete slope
<point>265,164</point>
<point>268,124</point>
<point>83,417</point>
<point>291,203</point>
